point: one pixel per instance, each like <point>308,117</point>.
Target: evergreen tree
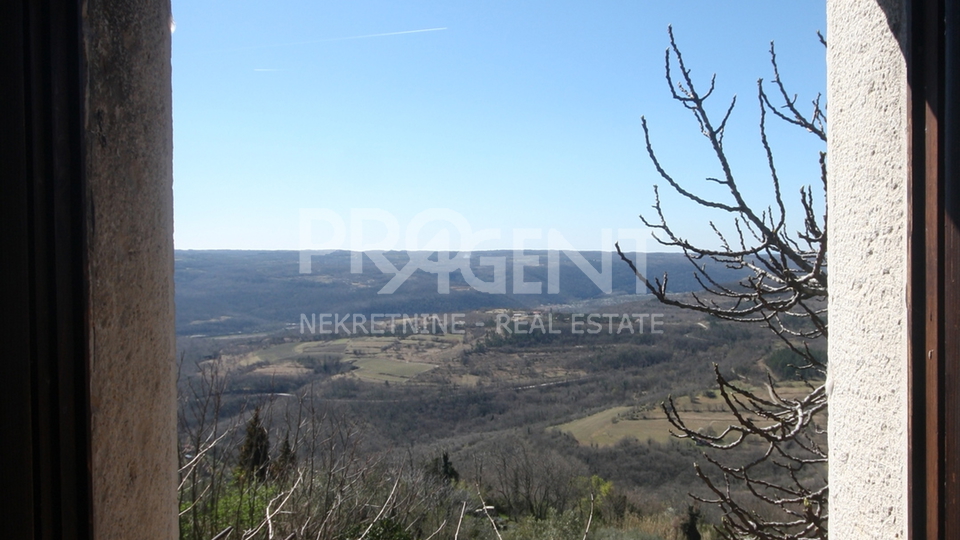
<point>689,526</point>
<point>285,462</point>
<point>448,471</point>
<point>443,467</point>
<point>255,450</point>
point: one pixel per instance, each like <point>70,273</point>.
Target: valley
<point>579,381</point>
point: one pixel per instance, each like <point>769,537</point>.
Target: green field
<point>609,426</point>
<point>380,369</point>
<point>337,346</point>
<point>409,356</point>
<point>273,354</point>
<point>434,338</point>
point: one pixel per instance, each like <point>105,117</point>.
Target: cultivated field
<point>369,358</point>
<point>705,411</point>
<point>380,369</point>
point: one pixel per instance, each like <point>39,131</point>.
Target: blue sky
<point>515,115</point>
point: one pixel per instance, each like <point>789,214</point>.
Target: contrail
<point>333,39</point>
<point>385,34</point>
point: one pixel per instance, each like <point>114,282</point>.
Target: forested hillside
<point>225,292</point>
<point>533,422</point>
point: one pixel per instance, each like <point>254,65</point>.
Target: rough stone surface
<point>130,231</point>
<point>867,98</point>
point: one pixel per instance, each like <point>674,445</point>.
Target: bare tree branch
<point>784,289</point>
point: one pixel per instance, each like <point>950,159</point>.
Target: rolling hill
<point>230,292</point>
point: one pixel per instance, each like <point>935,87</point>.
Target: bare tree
<point>782,493</point>
<point>324,483</point>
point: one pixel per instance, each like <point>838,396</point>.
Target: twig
<point>456,534</point>
<point>483,505</point>
<point>589,519</point>
<point>382,508</point>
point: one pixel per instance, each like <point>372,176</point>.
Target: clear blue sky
<point>512,114</point>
